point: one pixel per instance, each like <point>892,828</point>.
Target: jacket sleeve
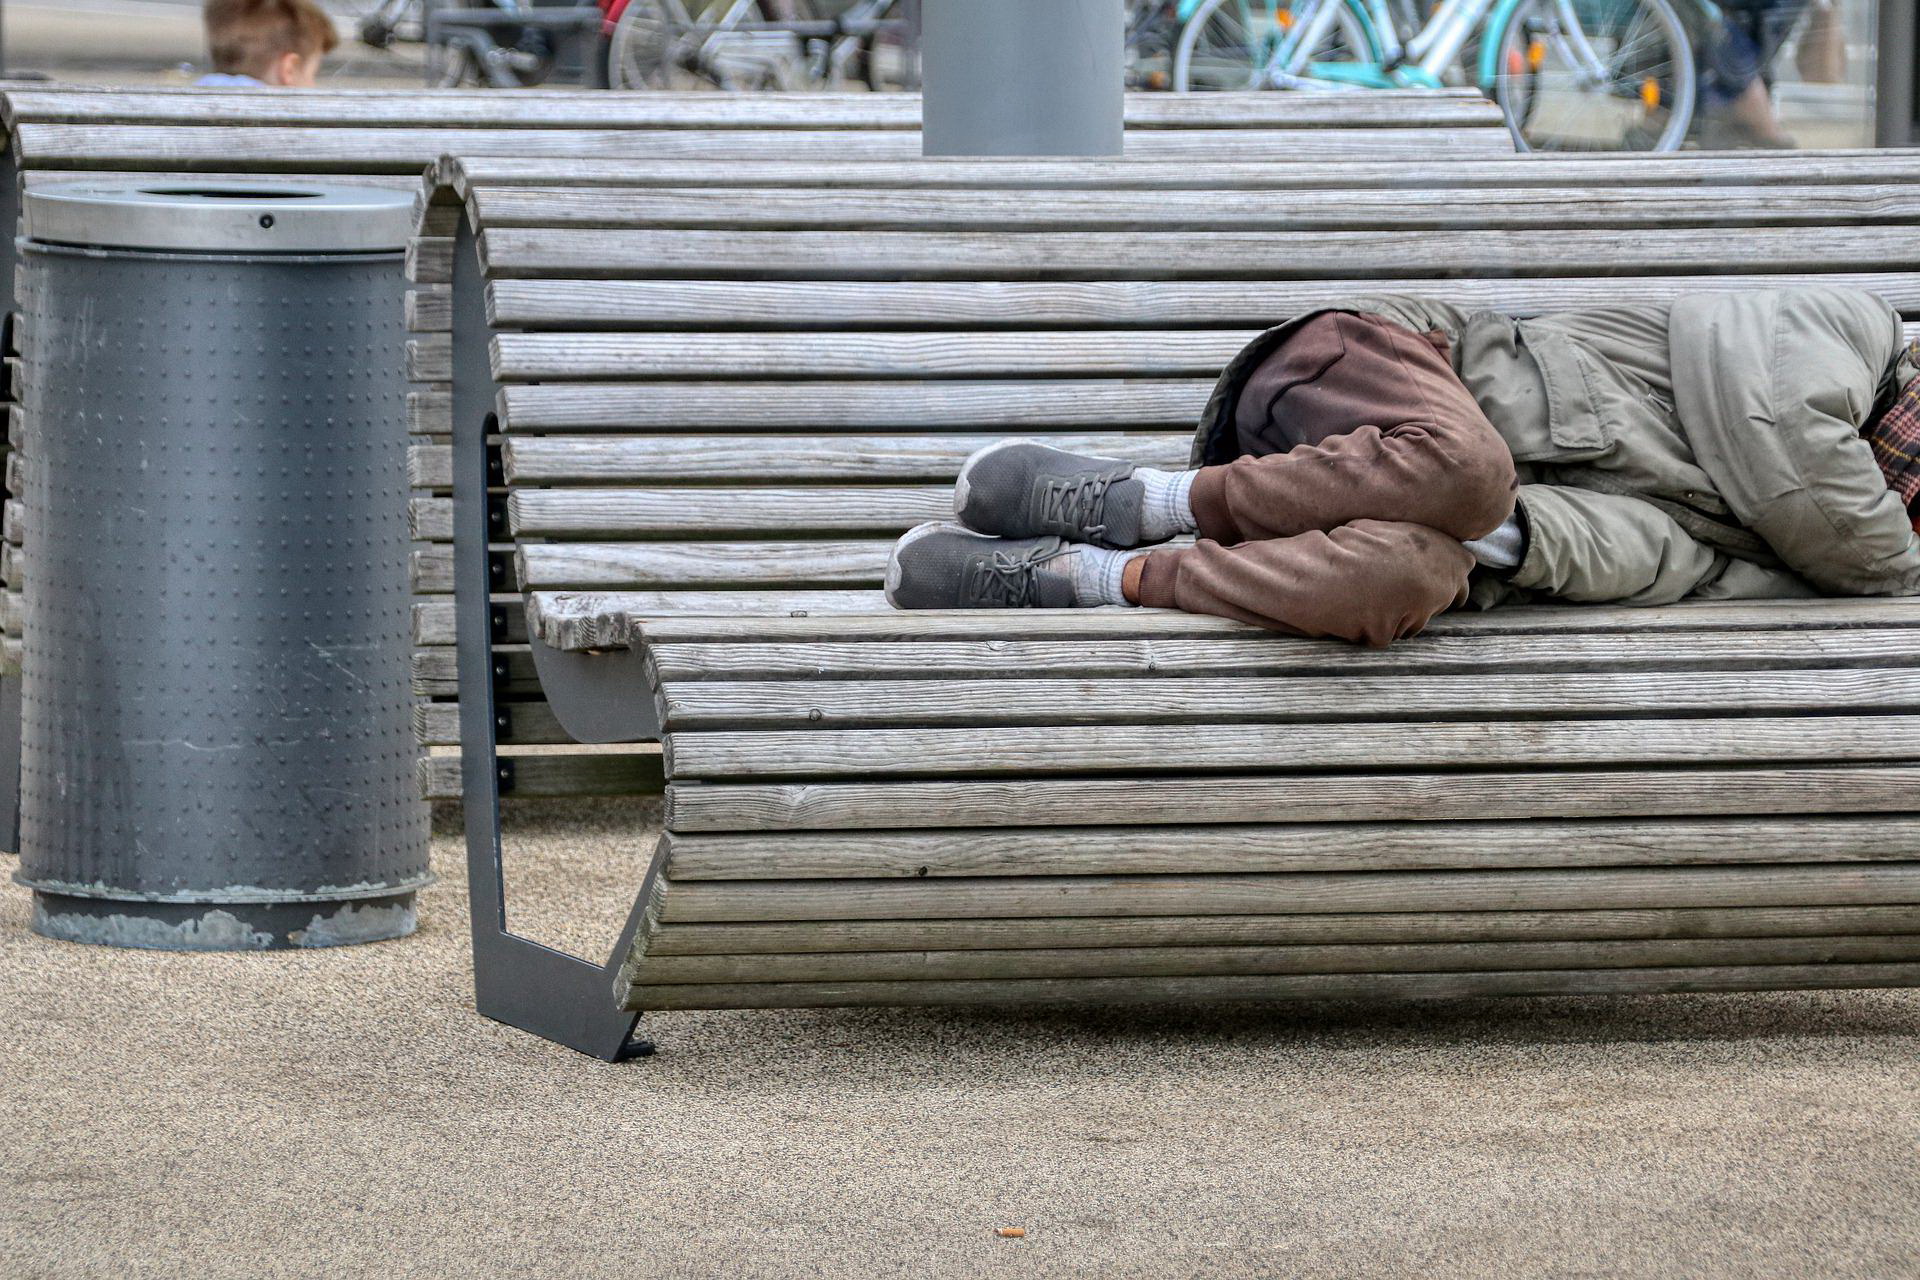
<point>1774,388</point>
<point>1600,547</point>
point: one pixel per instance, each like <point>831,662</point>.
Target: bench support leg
<point>516,980</point>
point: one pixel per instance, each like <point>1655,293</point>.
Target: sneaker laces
<point>1078,506</point>
<point>1007,579</point>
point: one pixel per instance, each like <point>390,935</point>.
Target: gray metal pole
<point>1894,107</point>
<point>1022,77</point>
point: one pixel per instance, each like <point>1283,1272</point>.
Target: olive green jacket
<point>1709,447</point>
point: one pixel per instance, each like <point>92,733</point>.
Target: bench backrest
<point>732,399</point>
<point>388,137</point>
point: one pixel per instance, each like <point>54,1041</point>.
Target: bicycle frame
<point>1424,59</point>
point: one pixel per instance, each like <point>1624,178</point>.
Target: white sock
<point>1097,575</point>
<point>1167,510</point>
<point>1504,548</point>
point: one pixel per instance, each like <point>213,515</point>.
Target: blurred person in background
<point>1737,74</point>
<point>266,43</point>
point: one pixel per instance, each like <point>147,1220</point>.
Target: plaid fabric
<point>1895,440</point>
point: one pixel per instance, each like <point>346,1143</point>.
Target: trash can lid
<point>220,217</point>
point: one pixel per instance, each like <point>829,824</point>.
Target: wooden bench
<point>686,451</point>
<point>390,137</point>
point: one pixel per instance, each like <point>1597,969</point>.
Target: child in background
<point>267,43</point>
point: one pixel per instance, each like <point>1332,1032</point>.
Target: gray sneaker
<point>1023,489</point>
<point>940,565</point>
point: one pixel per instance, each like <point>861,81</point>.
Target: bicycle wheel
<point>654,46</point>
<point>1595,75</point>
<point>1228,44</point>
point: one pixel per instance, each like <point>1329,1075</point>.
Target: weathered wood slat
<point>1258,654</point>
<point>584,625</point>
<point>429,261</point>
<point>637,512</point>
<point>1173,961</point>
<point>565,460</point>
<point>1076,991</point>
<point>1372,927</point>
<point>656,110</point>
<point>437,724</point>
<point>430,308</point>
<point>429,412</point>
<point>1253,748</point>
<point>540,357</point>
<point>430,518</point>
<point>640,304</point>
<point>1302,894</point>
<point>598,620</point>
<point>430,466</point>
<point>1189,212</point>
<point>1246,699</point>
<point>265,148</point>
<point>1356,846</point>
<point>703,564</point>
<point>1739,615</point>
<point>1245,172</point>
<point>907,407</point>
<point>1192,801</point>
<point>550,775</point>
<point>511,252</point>
<point>430,355</point>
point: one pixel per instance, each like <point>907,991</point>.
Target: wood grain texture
<point>703,564</point>
<point>1189,211</point>
<point>1195,801</point>
<point>828,405</point>
<point>1080,991</point>
<point>726,304</point>
<point>429,308</point>
<point>1254,655</point>
<point>267,149</point>
<point>1124,703</point>
<point>533,108</point>
<point>1356,846</point>
<point>439,777</point>
<point>429,411</point>
<point>1371,927</point>
<point>1022,751</point>
<point>1300,894</point>
<point>570,357</point>
<point>1172,960</point>
<point>639,460</point>
<point>514,252</point>
<point>580,621</point>
<point>634,512</point>
<point>1246,172</point>
<point>430,466</point>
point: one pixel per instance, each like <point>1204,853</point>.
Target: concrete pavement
<point>344,1113</point>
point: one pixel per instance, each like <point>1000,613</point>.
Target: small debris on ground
<point>1012,1233</point>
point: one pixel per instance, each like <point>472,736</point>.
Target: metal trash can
<point>217,750</point>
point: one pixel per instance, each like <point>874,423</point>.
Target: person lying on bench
<point>1357,472</point>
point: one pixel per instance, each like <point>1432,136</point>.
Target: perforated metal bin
<point>216,749</point>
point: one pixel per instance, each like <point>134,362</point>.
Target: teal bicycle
<point>1571,75</point>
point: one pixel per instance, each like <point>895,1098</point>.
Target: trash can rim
<point>186,214</point>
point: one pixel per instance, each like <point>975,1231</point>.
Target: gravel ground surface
<point>344,1113</point>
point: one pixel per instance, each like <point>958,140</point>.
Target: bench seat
<point>1132,805</point>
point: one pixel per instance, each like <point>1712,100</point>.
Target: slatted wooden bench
<point>388,138</point>
<point>688,423</point>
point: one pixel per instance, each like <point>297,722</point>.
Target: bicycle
<point>747,45</point>
<point>503,44</point>
<point>1570,75</point>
